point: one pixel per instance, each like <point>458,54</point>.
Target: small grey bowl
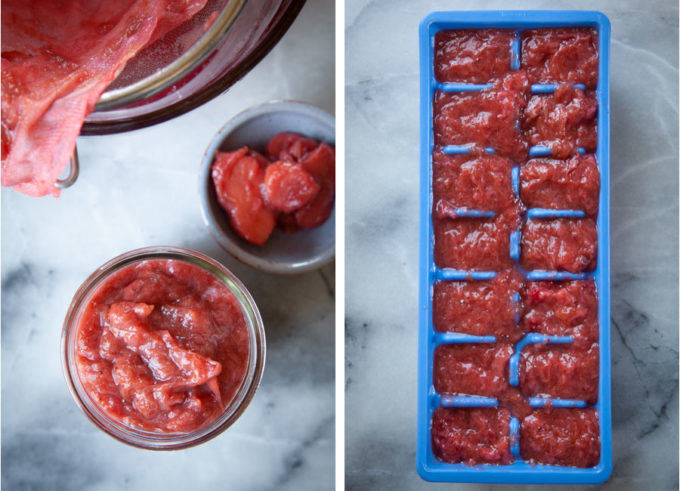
<point>283,253</point>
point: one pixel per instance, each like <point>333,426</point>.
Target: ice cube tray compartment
<point>428,465</point>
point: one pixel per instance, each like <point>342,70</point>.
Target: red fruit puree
<point>561,436</point>
<point>480,308</point>
<point>483,119</point>
<point>567,308</point>
<point>473,243</point>
<point>564,244</point>
<point>473,436</point>
<point>564,54</point>
<point>473,56</point>
<point>292,187</point>
<point>480,182</point>
<point>509,120</point>
<point>162,346</point>
<point>560,370</point>
<point>563,121</point>
<point>572,184</point>
<point>472,369</point>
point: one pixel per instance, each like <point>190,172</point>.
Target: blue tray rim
<point>518,472</point>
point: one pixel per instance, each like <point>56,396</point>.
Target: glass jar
<point>253,33</point>
<point>150,439</point>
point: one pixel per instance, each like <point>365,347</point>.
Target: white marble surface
<point>382,239</point>
<point>139,189</point>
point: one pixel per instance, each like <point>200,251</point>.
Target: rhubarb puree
<point>480,182</point>
<point>473,243</point>
<point>563,121</point>
<point>565,308</point>
<point>487,118</point>
<point>561,371</point>
<point>565,244</point>
<point>480,308</point>
<point>563,54</point>
<point>498,125</point>
<point>560,436</point>
<point>472,56</point>
<point>472,435</point>
<point>162,346</point>
<point>472,369</point>
<point>572,184</point>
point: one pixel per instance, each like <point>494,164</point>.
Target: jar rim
<point>155,440</point>
<point>120,123</point>
<point>182,66</point>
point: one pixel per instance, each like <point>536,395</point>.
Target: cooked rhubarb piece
<point>289,187</point>
<point>290,147</point>
<point>320,163</point>
<point>238,178</point>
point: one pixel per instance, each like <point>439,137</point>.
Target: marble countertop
<point>382,155</point>
<point>139,189</point>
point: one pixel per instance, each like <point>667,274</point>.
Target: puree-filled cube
<point>566,308</point>
<point>472,55</point>
<point>474,244</point>
<point>560,436</point>
<point>488,118</point>
<point>572,184</point>
<point>563,54</point>
<point>473,369</point>
<point>562,121</point>
<point>480,182</point>
<point>562,244</point>
<point>472,435</point>
<point>480,308</point>
<point>562,371</point>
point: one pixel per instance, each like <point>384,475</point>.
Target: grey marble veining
<point>382,92</point>
<point>139,189</point>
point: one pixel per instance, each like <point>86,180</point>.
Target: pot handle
<point>73,170</point>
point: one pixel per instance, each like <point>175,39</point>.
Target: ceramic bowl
<point>283,253</point>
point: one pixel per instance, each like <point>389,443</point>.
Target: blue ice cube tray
<point>428,465</point>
